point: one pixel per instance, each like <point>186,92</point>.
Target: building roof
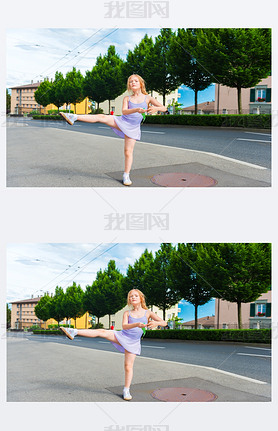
<point>32,85</point>
<point>205,106</point>
<point>205,321</point>
<point>24,301</point>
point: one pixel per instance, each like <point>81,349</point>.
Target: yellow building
<point>23,101</point>
<point>23,316</point>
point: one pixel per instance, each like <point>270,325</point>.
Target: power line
<point>71,266</point>
<point>86,264</point>
<point>69,52</point>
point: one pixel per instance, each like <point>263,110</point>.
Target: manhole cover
<point>183,395</point>
<point>183,180</point>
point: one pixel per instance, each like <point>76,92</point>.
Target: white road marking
<point>251,140</point>
<point>159,133</point>
<point>255,133</point>
<point>153,347</point>
<point>251,354</point>
<point>258,348</point>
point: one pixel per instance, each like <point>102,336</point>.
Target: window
<point>261,94</point>
<point>261,310</point>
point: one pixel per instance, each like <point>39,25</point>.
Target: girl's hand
<point>152,110</point>
<point>141,325</point>
<point>152,324</point>
<point>141,110</point>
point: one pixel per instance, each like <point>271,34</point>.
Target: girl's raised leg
<point>98,118</point>
<point>91,333</point>
<point>108,334</point>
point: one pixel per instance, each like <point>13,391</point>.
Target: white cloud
<point>34,54</point>
<point>39,267</point>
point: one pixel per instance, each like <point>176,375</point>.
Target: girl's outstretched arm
<point>156,106</point>
<point>156,321</point>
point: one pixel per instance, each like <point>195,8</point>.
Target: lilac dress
<point>130,124</point>
<point>129,339</point>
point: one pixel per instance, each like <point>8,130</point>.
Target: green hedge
<point>262,121</point>
<point>46,117</point>
<point>239,335</point>
<point>48,331</point>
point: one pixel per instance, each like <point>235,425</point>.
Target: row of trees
<point>236,57</point>
<point>238,273</point>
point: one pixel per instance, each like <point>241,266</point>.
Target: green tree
<point>110,282</point>
<point>186,278</point>
<point>73,302</point>
<point>94,85</point>
<point>159,77</point>
<point>56,92</point>
<point>237,57</point>
<point>56,305</point>
<point>42,308</point>
<point>8,102</point>
<point>136,60</point>
<point>161,290</point>
<point>8,314</point>
<point>136,274</point>
<point>43,93</point>
<point>72,87</point>
<point>184,65</point>
<point>112,74</point>
<point>238,272</point>
<point>94,301</point>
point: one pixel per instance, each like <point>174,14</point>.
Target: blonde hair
<point>142,298</point>
<point>142,85</point>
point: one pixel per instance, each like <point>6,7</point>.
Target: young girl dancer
<point>128,340</point>
<point>126,126</point>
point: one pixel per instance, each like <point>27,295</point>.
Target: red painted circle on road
<point>183,395</point>
<point>179,179</point>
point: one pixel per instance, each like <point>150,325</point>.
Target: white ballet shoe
<point>126,394</point>
<point>70,332</point>
<point>126,180</point>
<point>70,118</point>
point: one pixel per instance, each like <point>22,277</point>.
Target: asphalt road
<point>251,146</point>
<point>253,361</point>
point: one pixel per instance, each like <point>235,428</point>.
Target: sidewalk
<point>40,371</point>
<point>60,158</point>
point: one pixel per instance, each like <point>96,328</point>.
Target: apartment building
<point>255,100</point>
<point>23,99</point>
<point>23,316</point>
<point>254,315</point>
<point>23,102</point>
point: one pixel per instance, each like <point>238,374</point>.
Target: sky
<point>36,53</point>
<point>36,268</point>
